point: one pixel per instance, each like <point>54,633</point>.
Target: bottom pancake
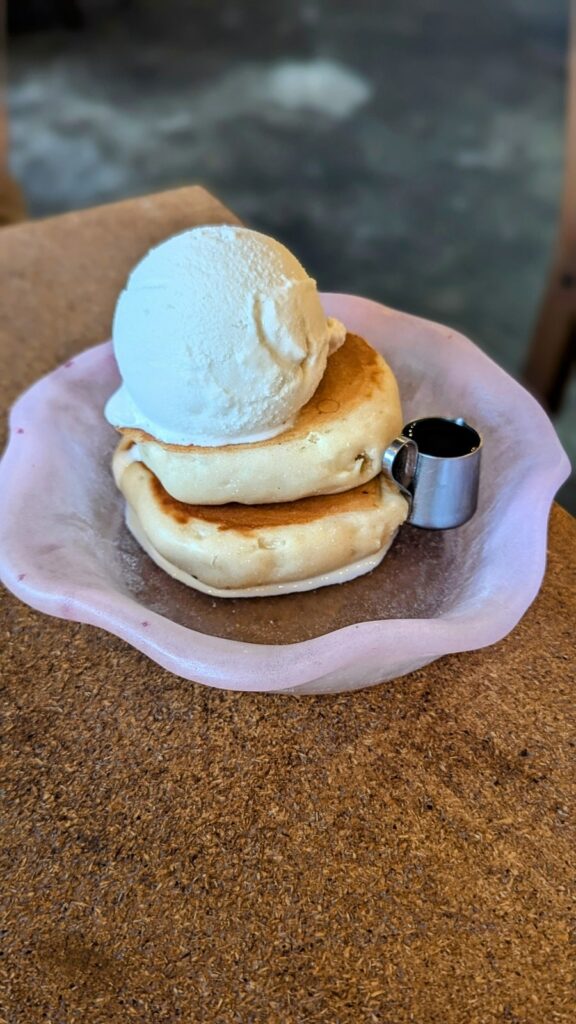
<point>243,551</point>
<point>349,572</point>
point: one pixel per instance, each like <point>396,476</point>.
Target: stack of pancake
<point>303,509</point>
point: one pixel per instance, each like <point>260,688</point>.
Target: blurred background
<point>410,152</point>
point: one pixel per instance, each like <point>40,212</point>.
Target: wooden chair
<point>553,347</point>
<point>12,205</point>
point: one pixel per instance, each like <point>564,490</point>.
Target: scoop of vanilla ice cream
<point>220,338</point>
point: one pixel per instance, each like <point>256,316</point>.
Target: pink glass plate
<point>64,548</point>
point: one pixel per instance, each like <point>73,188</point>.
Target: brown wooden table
<point>178,853</point>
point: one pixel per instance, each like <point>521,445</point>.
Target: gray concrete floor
<point>408,152</point>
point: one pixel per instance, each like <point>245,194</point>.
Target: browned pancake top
<point>235,516</point>
<point>352,372</point>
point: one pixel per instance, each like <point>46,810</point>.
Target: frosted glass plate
<point>64,548</point>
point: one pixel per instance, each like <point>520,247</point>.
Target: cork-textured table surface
<point>175,853</point>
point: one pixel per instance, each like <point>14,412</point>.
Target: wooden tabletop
<point>401,854</point>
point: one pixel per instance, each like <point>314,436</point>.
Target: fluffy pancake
<point>230,550</point>
<point>335,444</point>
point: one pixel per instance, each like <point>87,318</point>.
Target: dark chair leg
<point>553,347</point>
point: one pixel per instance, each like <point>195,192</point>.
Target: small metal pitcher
<point>436,463</point>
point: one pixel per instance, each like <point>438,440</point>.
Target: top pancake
<point>336,442</point>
